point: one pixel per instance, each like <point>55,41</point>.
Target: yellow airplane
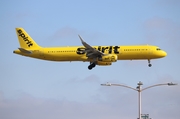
<point>96,55</point>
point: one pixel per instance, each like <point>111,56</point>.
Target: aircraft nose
<point>164,54</point>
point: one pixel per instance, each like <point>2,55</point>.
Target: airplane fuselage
<point>77,53</point>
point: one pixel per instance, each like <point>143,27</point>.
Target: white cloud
<point>110,102</point>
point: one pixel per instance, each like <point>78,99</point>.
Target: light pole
<point>139,89</point>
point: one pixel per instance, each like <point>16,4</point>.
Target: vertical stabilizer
<point>25,40</point>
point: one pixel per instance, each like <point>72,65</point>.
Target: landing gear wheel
<point>149,65</point>
<point>91,66</point>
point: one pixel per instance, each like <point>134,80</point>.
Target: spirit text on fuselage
<point>111,49</point>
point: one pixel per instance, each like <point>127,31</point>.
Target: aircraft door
<point>150,51</point>
<point>39,53</point>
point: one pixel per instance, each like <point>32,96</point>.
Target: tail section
<point>25,40</point>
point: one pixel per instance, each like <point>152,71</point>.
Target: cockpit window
<point>158,49</point>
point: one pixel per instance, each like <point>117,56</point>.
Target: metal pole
<point>139,91</point>
<point>139,97</point>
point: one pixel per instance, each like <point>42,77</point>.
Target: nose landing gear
<point>149,63</point>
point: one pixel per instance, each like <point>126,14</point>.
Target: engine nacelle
<point>108,58</point>
<point>103,63</point>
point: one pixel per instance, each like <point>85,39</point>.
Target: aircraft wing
<point>90,51</point>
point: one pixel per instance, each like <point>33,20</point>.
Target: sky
<point>37,89</point>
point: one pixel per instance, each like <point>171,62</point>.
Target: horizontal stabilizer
<point>25,51</point>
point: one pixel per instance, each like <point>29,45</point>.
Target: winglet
<point>81,39</point>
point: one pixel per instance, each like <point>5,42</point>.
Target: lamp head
<point>171,84</point>
<point>107,84</point>
<point>140,83</point>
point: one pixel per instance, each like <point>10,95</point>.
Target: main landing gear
<point>92,65</point>
<point>149,63</point>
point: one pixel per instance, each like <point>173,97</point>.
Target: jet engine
<point>108,58</point>
<point>103,63</point>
